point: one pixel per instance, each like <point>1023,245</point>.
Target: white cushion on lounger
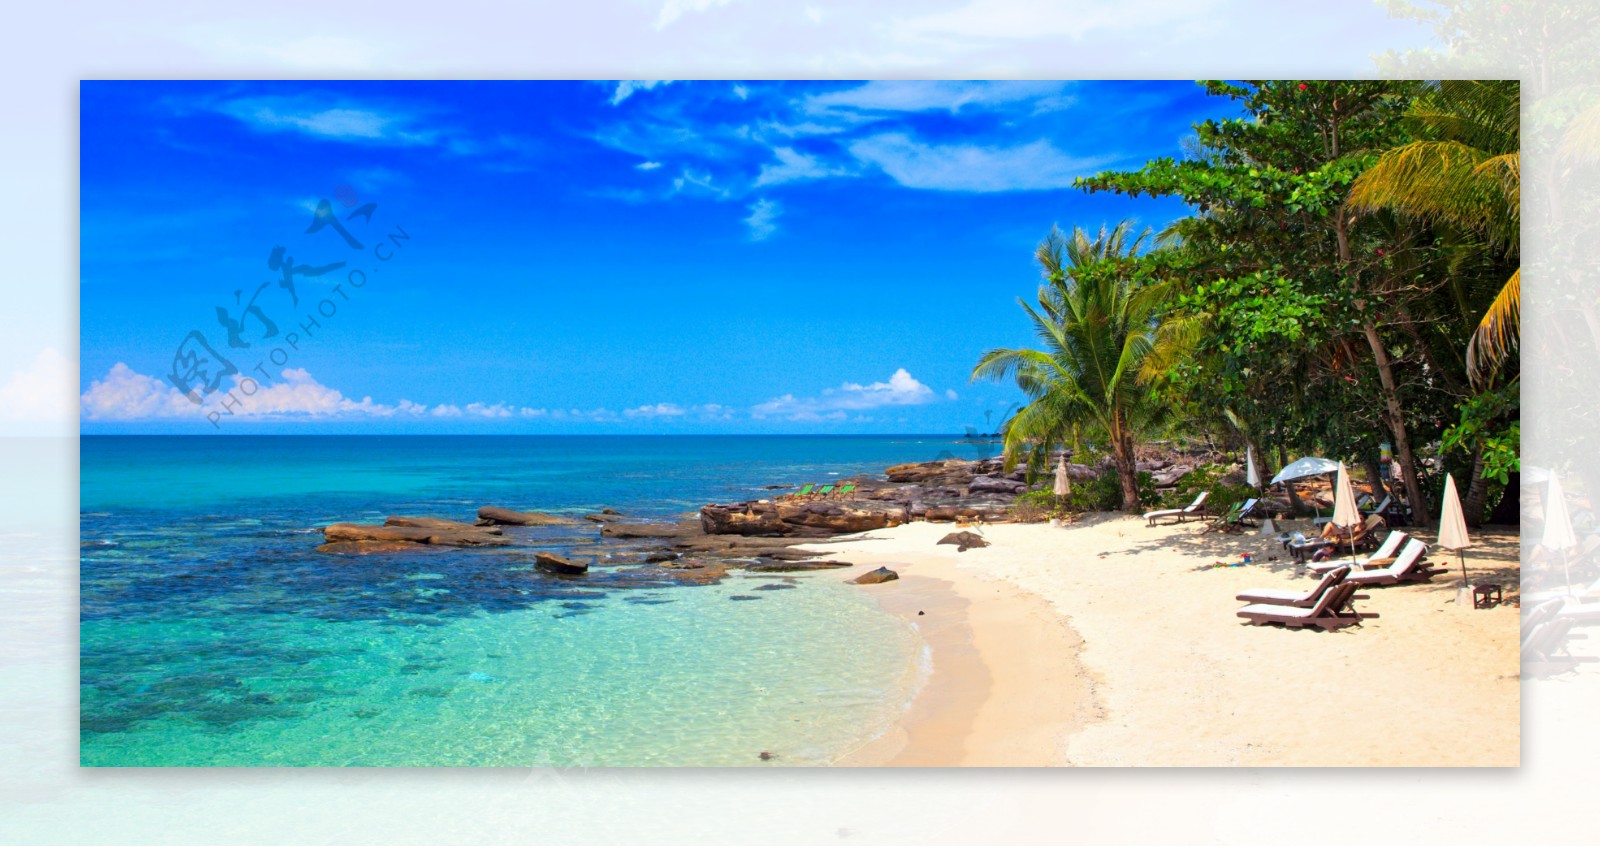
<point>1277,611</point>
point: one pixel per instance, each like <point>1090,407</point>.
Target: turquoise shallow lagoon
<point>213,634</point>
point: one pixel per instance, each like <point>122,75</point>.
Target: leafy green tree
<point>1098,326</point>
<point>1273,227</point>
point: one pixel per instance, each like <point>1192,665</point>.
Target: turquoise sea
<point>213,634</point>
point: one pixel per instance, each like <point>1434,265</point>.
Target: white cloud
<point>41,392</point>
<point>659,410</point>
<point>124,394</point>
<point>793,166</point>
<point>672,10</point>
<point>647,166</point>
<point>950,394</point>
<point>335,119</point>
<point>626,88</point>
<point>924,95</point>
<point>900,389</point>
<point>763,219</point>
<point>690,182</point>
<point>969,167</point>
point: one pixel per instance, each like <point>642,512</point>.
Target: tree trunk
<point>1394,416</point>
<point>1477,493</point>
<point>1127,470</point>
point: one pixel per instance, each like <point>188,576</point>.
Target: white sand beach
<point>1107,643</point>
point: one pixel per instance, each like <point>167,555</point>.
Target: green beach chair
<point>823,491</point>
<point>844,490</point>
<point>804,490</point>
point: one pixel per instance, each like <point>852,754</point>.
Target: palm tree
<point>1464,170</point>
<point>1099,329</point>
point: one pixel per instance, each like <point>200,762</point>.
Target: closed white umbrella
<point>1345,514</point>
<point>1558,526</point>
<point>1453,531</point>
<point>1063,482</point>
<point>1250,474</point>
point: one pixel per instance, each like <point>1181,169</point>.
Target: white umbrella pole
<point>1565,571</point>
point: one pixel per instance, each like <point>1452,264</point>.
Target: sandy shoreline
<point>1108,643</point>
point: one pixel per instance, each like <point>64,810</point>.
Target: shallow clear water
<point>213,634</point>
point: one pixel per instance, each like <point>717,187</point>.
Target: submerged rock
<point>468,537</point>
<point>556,564</point>
<point>874,577</point>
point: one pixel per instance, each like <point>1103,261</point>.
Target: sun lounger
<point>1382,556</point>
<point>1333,609</point>
<point>1545,633</point>
<point>1290,597</point>
<point>823,491</point>
<point>805,490</point>
<point>1407,567</point>
<point>844,490</point>
<point>1194,509</point>
<point>1234,519</point>
<point>1365,533</point>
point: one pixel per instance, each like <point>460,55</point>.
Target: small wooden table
<point>1486,595</point>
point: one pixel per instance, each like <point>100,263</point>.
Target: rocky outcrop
<point>964,541</point>
<point>874,577</point>
<point>494,515</point>
<point>605,516</point>
<point>468,537</point>
<point>650,530</point>
<point>559,565</point>
<point>439,523</point>
<point>367,548</point>
<point>799,518</point>
<point>995,485</point>
<point>795,567</point>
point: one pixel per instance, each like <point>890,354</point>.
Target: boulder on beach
<point>492,515</point>
<point>874,577</point>
<point>964,540</point>
<point>557,564</point>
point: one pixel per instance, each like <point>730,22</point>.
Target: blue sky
<point>585,256</point>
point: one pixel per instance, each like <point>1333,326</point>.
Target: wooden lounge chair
<point>1365,535</point>
<point>805,490</point>
<point>1335,608</point>
<point>1384,555</point>
<point>1233,520</point>
<point>844,490</point>
<point>1407,567</point>
<point>823,491</point>
<point>1544,640</point>
<point>1195,509</point>
<point>1290,597</point>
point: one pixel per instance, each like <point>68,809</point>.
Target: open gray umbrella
<point>1309,466</point>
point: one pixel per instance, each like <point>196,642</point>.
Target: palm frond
<point>1498,333</point>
